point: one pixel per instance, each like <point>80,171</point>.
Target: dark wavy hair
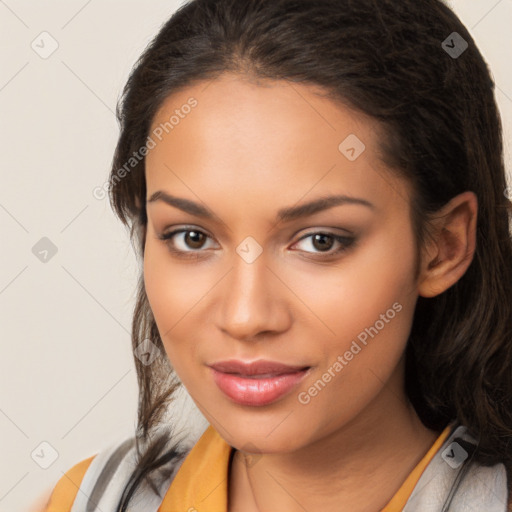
<point>441,130</point>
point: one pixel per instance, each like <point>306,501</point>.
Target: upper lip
<point>259,367</point>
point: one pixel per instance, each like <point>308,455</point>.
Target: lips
<point>255,368</point>
<point>257,383</point>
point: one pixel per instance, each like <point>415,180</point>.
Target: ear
<point>448,254</point>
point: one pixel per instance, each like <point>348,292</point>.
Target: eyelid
<point>168,235</point>
<point>346,241</point>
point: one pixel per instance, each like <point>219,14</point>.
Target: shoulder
<point>454,478</point>
<point>490,483</point>
<point>66,489</point>
<point>85,475</point>
<point>102,478</point>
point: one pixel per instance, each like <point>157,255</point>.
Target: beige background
<point>66,371</point>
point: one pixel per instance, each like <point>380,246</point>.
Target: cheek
<point>173,289</point>
<point>353,295</point>
<point>159,290</point>
<point>368,305</point>
<point>171,295</point>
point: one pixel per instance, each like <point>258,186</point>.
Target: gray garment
<point>450,482</point>
<point>106,477</point>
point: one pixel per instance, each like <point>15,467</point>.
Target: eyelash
<point>345,242</point>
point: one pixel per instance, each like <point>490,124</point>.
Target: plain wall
<point>66,373</point>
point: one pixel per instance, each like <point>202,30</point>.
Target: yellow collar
<point>201,482</point>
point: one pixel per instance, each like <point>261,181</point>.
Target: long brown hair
<point>441,130</point>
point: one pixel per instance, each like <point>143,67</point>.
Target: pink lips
<point>257,383</point>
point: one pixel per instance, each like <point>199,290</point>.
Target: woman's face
<point>330,288</point>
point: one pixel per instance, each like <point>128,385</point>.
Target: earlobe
<point>448,254</point>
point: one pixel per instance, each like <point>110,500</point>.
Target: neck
<point>360,465</point>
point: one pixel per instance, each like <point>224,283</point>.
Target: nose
<point>253,301</point>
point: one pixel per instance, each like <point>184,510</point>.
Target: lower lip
<point>257,391</point>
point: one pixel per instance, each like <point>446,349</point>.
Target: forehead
<point>244,137</point>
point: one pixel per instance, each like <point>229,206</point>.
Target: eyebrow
<point>283,215</point>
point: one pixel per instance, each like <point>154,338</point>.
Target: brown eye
<point>185,240</point>
<point>323,242</point>
<point>194,239</point>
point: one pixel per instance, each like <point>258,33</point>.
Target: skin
<point>245,151</point>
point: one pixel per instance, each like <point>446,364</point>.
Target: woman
<point>317,193</point>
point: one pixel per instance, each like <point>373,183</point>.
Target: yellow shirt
<point>202,480</point>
